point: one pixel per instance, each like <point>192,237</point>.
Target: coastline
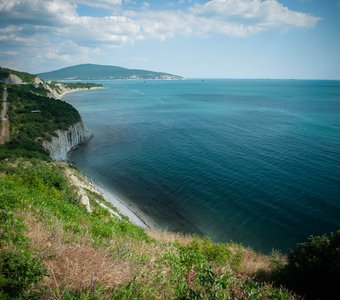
<point>133,213</point>
<point>69,91</point>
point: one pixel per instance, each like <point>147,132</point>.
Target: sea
<point>251,161</point>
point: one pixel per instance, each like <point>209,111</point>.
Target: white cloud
<point>45,24</point>
<point>145,5</point>
<point>261,13</point>
<point>14,35</point>
<point>228,17</point>
<point>65,52</point>
<point>38,12</point>
<point>8,53</point>
<point>99,3</point>
<point>138,59</point>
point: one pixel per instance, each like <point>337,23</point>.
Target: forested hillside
<point>100,72</point>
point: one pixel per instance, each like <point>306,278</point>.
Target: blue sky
<point>203,39</point>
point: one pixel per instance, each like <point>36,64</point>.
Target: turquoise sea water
<point>254,161</point>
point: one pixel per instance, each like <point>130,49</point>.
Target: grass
<point>84,255</point>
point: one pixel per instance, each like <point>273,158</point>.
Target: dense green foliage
<point>25,77</point>
<point>53,114</point>
<point>34,117</point>
<point>20,269</point>
<point>313,268</point>
<point>4,73</point>
<point>219,253</point>
<point>81,85</point>
<point>32,150</point>
<point>97,72</point>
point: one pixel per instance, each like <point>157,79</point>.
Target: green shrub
<point>76,85</point>
<point>205,284</point>
<point>92,293</point>
<point>132,291</point>
<point>216,253</point>
<point>19,271</point>
<point>11,229</point>
<point>12,151</point>
<point>313,268</point>
<point>191,257</point>
<point>11,226</point>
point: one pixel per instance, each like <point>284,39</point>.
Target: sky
<point>292,39</point>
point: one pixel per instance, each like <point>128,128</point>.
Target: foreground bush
<point>20,269</point>
<point>313,268</point>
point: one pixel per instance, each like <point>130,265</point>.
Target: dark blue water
<point>254,161</point>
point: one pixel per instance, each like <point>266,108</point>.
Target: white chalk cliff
<point>58,90</point>
<point>61,145</point>
<point>64,141</point>
<point>13,79</point>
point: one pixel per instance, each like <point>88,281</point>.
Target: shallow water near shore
<point>254,161</point>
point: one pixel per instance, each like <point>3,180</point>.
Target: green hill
<point>98,72</point>
<point>27,129</point>
<point>25,77</point>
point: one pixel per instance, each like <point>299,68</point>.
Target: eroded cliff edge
<point>61,145</point>
<point>45,121</point>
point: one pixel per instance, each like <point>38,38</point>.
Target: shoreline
<point>65,92</point>
<point>124,208</point>
<point>132,212</point>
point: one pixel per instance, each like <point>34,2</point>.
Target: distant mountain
<point>97,72</point>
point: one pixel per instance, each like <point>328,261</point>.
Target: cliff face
<point>58,90</point>
<point>13,79</point>
<point>60,146</point>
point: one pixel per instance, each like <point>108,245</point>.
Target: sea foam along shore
<point>131,212</point>
<point>69,91</point>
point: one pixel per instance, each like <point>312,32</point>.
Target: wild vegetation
<point>313,268</point>
<point>82,85</point>
<point>51,247</point>
<point>34,117</point>
<point>25,77</point>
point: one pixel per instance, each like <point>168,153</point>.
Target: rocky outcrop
<point>61,145</point>
<point>37,81</point>
<point>13,79</point>
<point>57,90</point>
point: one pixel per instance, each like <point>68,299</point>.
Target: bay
<point>254,161</point>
